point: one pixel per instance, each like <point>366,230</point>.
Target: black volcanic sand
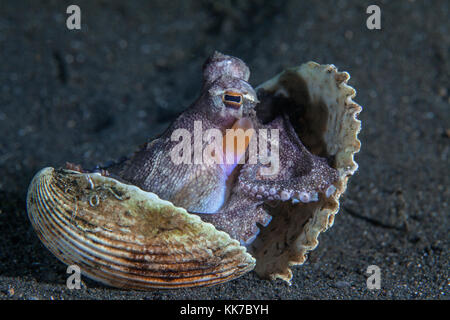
<point>96,94</point>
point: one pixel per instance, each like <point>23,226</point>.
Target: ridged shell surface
<point>128,238</point>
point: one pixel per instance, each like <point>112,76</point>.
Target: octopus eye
<point>232,99</point>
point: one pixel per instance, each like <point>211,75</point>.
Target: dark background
<point>96,94</point>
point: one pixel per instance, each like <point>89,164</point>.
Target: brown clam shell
<point>128,238</point>
<point>322,110</point>
<point>125,237</point>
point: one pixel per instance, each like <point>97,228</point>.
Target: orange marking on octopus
<point>236,141</point>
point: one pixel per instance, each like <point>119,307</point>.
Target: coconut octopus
<point>286,185</point>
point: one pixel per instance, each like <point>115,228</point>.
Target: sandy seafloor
<point>96,94</point>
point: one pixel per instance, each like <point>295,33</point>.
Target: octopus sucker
<point>198,210</point>
<point>319,99</point>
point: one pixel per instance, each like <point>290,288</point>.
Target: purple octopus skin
<point>232,200</point>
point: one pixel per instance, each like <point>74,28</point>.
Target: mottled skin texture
<point>197,187</point>
<point>233,202</point>
<point>301,178</point>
